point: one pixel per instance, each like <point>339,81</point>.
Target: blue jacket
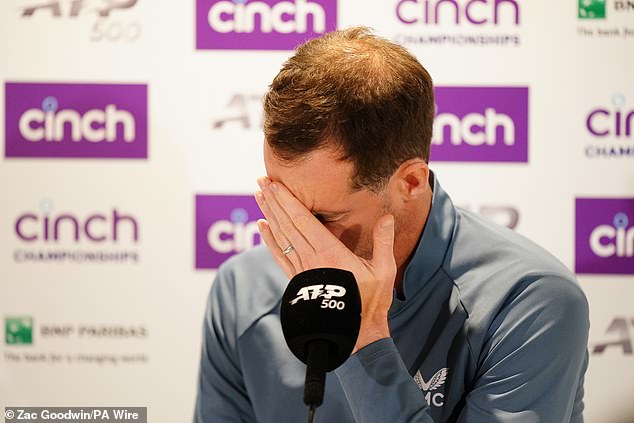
<point>491,328</point>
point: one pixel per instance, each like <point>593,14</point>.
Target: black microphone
<point>320,317</point>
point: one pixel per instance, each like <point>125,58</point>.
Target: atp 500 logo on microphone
<point>76,120</point>
<point>480,124</point>
<point>325,292</point>
<point>262,24</point>
<point>225,225</point>
<point>604,236</point>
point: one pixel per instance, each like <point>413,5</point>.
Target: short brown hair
<point>368,95</point>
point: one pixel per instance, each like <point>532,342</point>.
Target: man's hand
<point>289,223</point>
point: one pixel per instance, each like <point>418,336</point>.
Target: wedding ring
<point>288,249</point>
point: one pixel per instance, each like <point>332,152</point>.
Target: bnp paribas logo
<point>18,330</point>
<point>592,9</point>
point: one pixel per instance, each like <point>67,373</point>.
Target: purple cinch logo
<point>604,236</point>
<point>75,120</point>
<point>473,12</point>
<point>616,121</point>
<point>49,227</point>
<point>225,225</point>
<point>262,24</point>
<point>480,124</point>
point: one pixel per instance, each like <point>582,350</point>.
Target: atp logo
<point>435,399</point>
<point>58,9</point>
<point>326,292</point>
<point>621,330</point>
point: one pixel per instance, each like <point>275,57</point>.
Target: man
<point>462,320</point>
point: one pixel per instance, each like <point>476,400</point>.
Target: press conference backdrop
<point>132,141</point>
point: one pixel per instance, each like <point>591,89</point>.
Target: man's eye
<point>322,218</point>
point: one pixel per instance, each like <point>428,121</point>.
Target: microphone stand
<point>311,414</point>
<point>315,375</point>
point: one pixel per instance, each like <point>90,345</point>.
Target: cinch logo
<point>225,225</point>
<point>263,24</point>
<point>97,228</point>
<point>314,292</point>
<point>51,236</point>
<point>604,236</point>
<point>76,120</point>
<point>435,399</point>
<point>484,124</point>
<point>611,130</point>
<point>18,330</point>
<point>616,121</point>
<point>615,240</point>
<point>474,12</point>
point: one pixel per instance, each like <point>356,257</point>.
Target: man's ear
<point>411,179</point>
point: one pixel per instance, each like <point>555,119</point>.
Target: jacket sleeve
<point>530,368</point>
<point>379,388</point>
<point>533,361</point>
<point>222,396</point>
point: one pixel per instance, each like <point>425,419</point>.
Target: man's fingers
<point>281,259</point>
<point>304,254</point>
<point>301,218</point>
<point>383,247</point>
<point>277,236</point>
<point>291,223</point>
<point>270,218</point>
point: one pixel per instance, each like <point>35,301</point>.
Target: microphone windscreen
<point>322,304</point>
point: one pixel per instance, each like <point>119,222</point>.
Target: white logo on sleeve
<point>436,381</point>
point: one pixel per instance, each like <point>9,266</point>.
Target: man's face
<point>322,182</point>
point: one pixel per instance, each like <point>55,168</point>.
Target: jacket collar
<point>432,245</point>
